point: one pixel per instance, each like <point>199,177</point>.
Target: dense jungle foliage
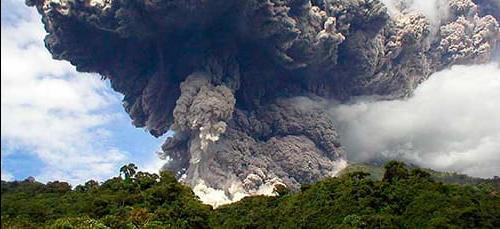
<point>400,197</point>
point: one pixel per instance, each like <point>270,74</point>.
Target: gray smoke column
<point>226,75</point>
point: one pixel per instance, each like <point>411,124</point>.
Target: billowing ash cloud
<point>223,74</point>
<point>435,11</point>
<point>451,123</point>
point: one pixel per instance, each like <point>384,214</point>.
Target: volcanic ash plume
<point>238,81</point>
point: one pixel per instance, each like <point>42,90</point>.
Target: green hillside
<point>398,197</point>
<point>377,173</point>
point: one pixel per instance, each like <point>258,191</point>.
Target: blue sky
<point>58,123</point>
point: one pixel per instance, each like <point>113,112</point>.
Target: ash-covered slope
<point>225,75</point>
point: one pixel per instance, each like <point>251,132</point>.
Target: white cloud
<point>6,176</point>
<point>49,110</point>
<point>451,123</point>
<point>154,162</point>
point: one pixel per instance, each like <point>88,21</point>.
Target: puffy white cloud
<point>452,122</point>
<point>49,111</point>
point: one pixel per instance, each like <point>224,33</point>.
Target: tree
<point>57,186</point>
<point>359,175</point>
<point>281,190</point>
<point>89,186</point>
<point>128,171</point>
<point>404,199</point>
<point>395,170</point>
<point>145,180</point>
<point>420,173</point>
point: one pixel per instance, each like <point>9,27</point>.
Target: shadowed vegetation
<point>400,197</point>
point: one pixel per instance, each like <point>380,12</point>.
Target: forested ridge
<point>400,197</point>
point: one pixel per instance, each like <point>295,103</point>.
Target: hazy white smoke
<point>236,192</point>
<point>434,10</point>
<point>218,197</point>
<point>451,123</point>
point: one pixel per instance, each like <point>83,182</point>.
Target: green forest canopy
<point>402,198</point>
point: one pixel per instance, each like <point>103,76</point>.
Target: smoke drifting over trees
<point>450,123</point>
<point>224,74</point>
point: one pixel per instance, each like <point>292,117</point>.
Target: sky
<point>57,124</point>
